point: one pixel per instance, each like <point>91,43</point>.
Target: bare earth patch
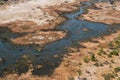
<point>31,26</point>
<point>40,37</point>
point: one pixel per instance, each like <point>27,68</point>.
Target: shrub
<point>86,59</point>
<point>110,44</point>
<point>109,55</point>
<point>101,51</point>
<point>115,52</point>
<point>117,43</point>
<point>112,61</point>
<point>79,72</point>
<point>108,76</point>
<point>117,69</point>
<point>97,64</point>
<point>70,78</point>
<point>2,2</point>
<point>93,58</point>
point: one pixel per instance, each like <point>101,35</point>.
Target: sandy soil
<point>104,13</point>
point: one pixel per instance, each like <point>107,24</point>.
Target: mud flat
<point>103,12</point>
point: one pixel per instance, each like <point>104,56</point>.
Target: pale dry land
<point>104,13</point>
<point>29,11</point>
<point>34,16</point>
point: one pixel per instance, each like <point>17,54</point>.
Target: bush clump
<point>108,76</point>
<point>114,52</point>
<point>117,69</point>
<point>79,72</point>
<point>101,51</point>
<point>2,2</point>
<point>93,58</point>
<point>86,59</point>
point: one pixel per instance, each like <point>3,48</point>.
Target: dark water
<point>45,57</point>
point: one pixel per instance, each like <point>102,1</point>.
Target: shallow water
<point>45,57</point>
